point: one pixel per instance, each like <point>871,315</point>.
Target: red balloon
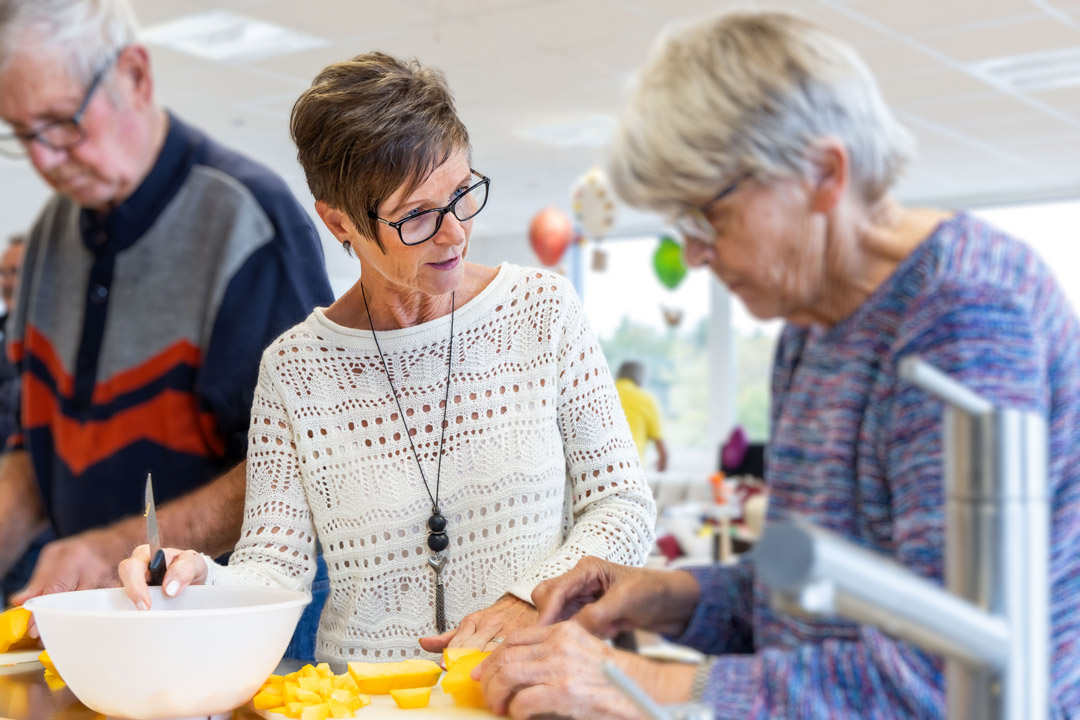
<point>550,233</point>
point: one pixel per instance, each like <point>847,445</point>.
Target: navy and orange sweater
<point>138,332</point>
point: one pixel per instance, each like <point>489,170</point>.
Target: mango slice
<point>451,655</point>
<point>410,698</point>
<point>13,625</point>
<point>381,678</point>
<point>460,686</point>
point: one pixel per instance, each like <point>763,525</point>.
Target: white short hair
<point>748,93</point>
<point>86,33</point>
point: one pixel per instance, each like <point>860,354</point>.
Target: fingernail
<point>140,605</point>
<point>172,588</point>
<point>33,632</point>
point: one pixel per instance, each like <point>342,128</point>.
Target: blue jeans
<point>302,645</point>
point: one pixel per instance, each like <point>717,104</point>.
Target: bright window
<point>626,305</point>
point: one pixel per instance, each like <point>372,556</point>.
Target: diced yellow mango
<point>293,709</point>
<point>325,687</point>
<point>311,684</point>
<point>358,701</point>
<point>339,709</point>
<point>320,711</point>
<point>459,684</point>
<point>45,660</point>
<point>323,670</point>
<point>411,698</point>
<point>451,655</point>
<point>267,699</point>
<point>308,671</point>
<point>13,625</point>
<point>54,681</point>
<point>307,697</point>
<point>290,692</point>
<point>381,678</point>
<point>345,682</point>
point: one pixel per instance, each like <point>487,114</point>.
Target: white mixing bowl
<point>202,653</point>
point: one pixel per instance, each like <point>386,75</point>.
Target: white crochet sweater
<point>538,469</point>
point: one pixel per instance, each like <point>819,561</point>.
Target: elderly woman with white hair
<point>768,143</point>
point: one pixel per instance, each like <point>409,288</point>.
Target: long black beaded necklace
<point>437,540</point>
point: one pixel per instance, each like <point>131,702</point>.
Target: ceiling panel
<point>520,68</point>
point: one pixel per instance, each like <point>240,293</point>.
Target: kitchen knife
<point>157,555</point>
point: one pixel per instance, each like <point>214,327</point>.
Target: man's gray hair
<point>749,93</point>
<point>87,33</point>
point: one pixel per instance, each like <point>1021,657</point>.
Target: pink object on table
<point>735,448</point>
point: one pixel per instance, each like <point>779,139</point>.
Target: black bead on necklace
<point>437,541</point>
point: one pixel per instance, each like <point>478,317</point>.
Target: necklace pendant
<point>437,563</point>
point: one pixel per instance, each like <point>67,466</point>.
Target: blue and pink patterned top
<point>858,451</point>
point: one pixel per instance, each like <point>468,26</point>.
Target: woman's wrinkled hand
<point>480,628</point>
<point>184,567</point>
<point>554,671</point>
<point>606,598</point>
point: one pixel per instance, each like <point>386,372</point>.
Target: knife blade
<point>157,555</point>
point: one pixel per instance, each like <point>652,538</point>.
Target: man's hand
<point>606,598</point>
<point>478,629</point>
<point>80,562</point>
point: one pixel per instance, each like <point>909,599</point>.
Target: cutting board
<point>382,707</point>
<point>16,661</point>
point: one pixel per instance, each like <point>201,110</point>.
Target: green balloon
<point>668,263</point>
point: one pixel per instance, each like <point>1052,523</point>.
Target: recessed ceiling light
<point>593,131</point>
<point>227,37</point>
<point>1034,71</point>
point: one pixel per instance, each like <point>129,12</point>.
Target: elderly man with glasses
<point>154,278</point>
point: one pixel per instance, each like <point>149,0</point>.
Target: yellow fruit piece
<point>308,671</point>
<point>411,698</point>
<point>267,699</point>
<point>339,709</point>
<point>13,625</point>
<point>358,701</point>
<point>323,670</point>
<point>293,709</point>
<point>459,684</point>
<point>315,712</point>
<point>452,655</point>
<point>325,687</point>
<point>45,660</point>
<point>290,692</point>
<point>381,678</point>
<point>280,710</point>
<point>54,681</point>
<point>344,681</point>
<point>307,697</point>
<point>311,684</point>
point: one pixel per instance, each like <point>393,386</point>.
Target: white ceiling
<point>521,65</point>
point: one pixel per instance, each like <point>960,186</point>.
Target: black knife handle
<point>157,568</point>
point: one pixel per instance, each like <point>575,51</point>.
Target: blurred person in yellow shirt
<point>642,412</point>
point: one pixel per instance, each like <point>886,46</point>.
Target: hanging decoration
<point>668,263</point>
<point>672,316</point>
<point>550,233</point>
<point>594,204</point>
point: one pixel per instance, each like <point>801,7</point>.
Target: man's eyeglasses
<point>58,134</point>
<point>422,226</point>
<point>694,223</point>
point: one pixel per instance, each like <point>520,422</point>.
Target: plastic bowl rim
<point>304,599</point>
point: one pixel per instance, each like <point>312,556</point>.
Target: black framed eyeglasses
<point>694,223</point>
<point>57,134</point>
<point>422,226</point>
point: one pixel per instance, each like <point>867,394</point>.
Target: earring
<point>348,247</point>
